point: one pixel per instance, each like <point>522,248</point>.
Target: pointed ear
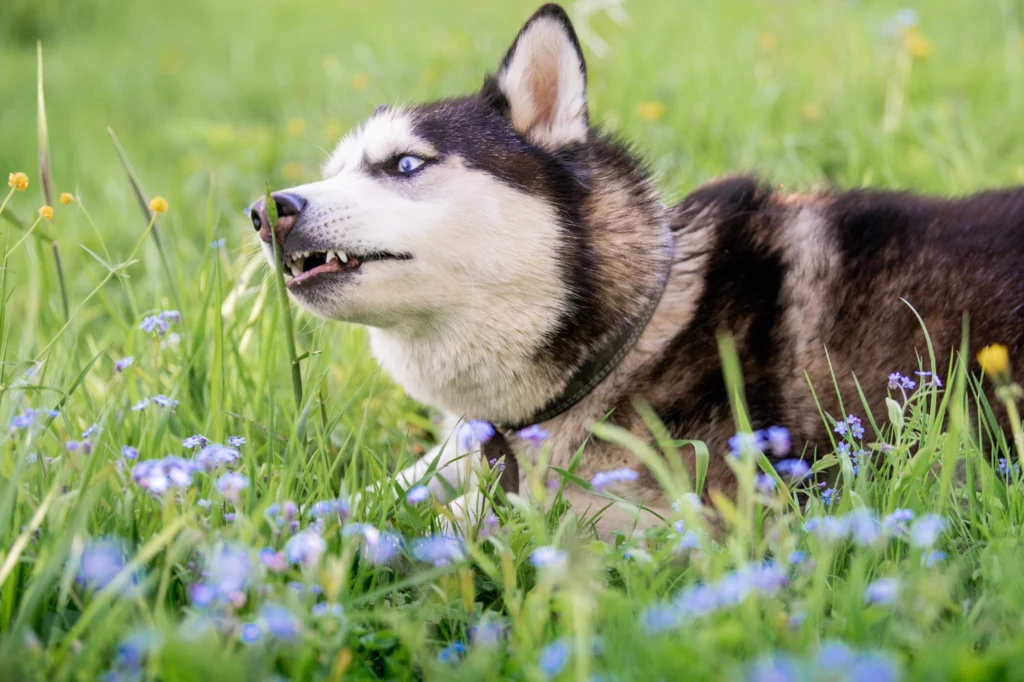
<point>543,81</point>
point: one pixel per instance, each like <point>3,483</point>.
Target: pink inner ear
<point>542,83</point>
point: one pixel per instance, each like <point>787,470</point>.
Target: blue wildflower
<point>929,379</point>
<point>474,433</point>
<point>603,479</point>
<point>660,617</point>
<point>228,569</point>
<point>251,633</point>
<point>488,632</point>
<point>337,507</point>
<point>324,609</point>
<point>275,562</point>
<point>165,402</point>
<point>779,440</point>
<point>124,363</point>
<point>548,557</point>
<point>203,502</point>
<point>101,562</point>
<point>217,244</point>
<point>795,469</point>
<point>864,527</point>
<point>231,486</point>
<point>141,405</point>
<point>153,323</point>
<point>764,483</point>
<point>899,382</point>
<point>873,667</point>
<point>553,657</point>
<point>438,550</point>
<point>534,435</point>
<point>417,494</point>
<point>843,448</point>
<point>236,441</point>
<point>897,521</point>
<point>856,428</point>
<point>777,668</point>
<point>796,557</point>
<point>841,428</point>
<point>883,591</point>
<point>378,547</point>
<point>689,540</point>
<point>202,595</point>
<point>24,420</point>
<point>212,456</point>
<point>196,441</point>
<point>926,530</point>
<point>1006,470</point>
<point>132,652</point>
<point>279,621</point>
<point>743,443</point>
<point>305,548</point>
<point>128,452</point>
<point>452,653</point>
<point>828,496</point>
<point>833,656</point>
<point>933,557</point>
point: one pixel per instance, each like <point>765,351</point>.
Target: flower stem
<point>1015,426</point>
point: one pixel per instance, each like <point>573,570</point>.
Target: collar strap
<point>598,366</point>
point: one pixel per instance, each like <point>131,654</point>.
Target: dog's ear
<point>542,82</point>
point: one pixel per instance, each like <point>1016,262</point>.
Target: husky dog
<point>516,265</point>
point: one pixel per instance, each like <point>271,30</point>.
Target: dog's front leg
<point>444,461</point>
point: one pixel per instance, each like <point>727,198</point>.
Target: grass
<point>208,101</point>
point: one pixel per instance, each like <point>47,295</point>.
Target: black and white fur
<point>487,274</point>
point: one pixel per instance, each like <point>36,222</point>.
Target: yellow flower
<point>158,204</point>
<point>811,111</point>
<point>296,127</point>
<point>333,130</point>
<point>767,42</point>
<point>66,198</point>
<point>18,181</point>
<point>360,81</point>
<point>46,212</point>
<point>918,46</point>
<point>994,359</point>
<point>291,170</point>
<point>650,111</point>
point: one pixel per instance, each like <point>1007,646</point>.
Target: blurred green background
<point>805,92</point>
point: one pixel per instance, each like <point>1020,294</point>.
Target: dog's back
<point>832,284</point>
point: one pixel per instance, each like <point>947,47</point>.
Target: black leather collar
<point>596,369</point>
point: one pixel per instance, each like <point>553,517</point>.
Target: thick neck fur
<point>500,362</point>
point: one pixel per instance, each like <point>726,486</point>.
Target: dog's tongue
<point>333,266</point>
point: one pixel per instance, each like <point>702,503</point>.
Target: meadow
<point>170,510</point>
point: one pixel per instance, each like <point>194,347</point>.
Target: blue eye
<point>407,164</point>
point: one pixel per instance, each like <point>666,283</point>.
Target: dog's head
<point>425,210</point>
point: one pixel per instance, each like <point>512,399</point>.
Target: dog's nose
<point>288,207</point>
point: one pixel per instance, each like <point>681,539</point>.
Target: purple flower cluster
<point>865,530</point>
<point>337,507</point>
<point>305,547</point>
<point>225,577</point>
<point>196,441</point>
<point>851,425</point>
<point>123,364</point>
<point>833,661</point>
<point>700,600</point>
<point>548,557</point>
<point>160,322</point>
<point>30,417</point>
<point>159,475</point>
<point>898,382</point>
<point>417,494</point>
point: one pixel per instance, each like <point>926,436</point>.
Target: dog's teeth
<point>342,256</point>
<point>330,256</point>
<point>296,266</point>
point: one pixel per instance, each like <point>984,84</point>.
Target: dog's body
<point>495,243</point>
